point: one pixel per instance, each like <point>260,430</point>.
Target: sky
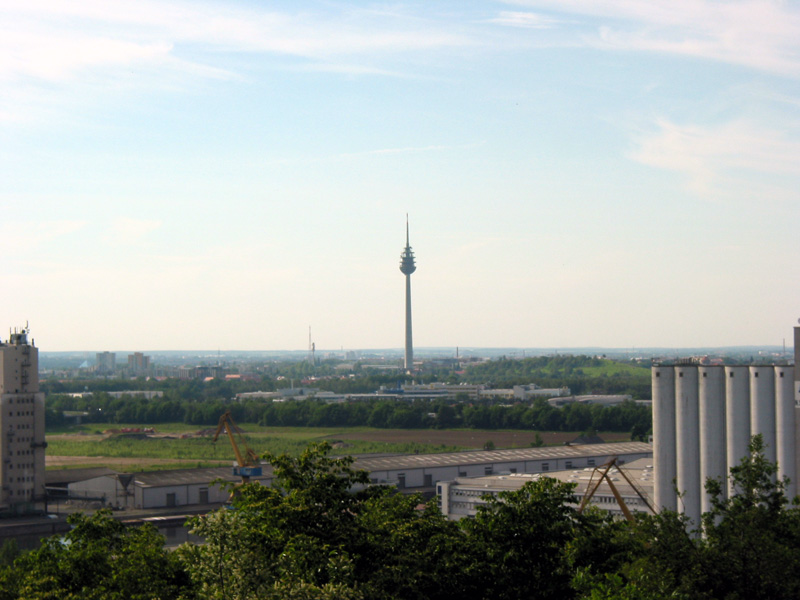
<point>227,175</point>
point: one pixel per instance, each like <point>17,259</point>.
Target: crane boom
<point>591,489</point>
<point>247,464</point>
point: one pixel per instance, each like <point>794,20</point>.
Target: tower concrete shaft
<point>407,267</point>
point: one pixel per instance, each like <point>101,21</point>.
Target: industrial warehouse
<point>410,473</point>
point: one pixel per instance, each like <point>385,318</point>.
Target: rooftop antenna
<point>312,348</point>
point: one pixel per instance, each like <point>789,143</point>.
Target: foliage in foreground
<point>314,537</point>
<point>98,559</point>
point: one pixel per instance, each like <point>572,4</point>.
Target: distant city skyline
<point>226,174</point>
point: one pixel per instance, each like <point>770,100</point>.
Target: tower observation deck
<point>407,267</point>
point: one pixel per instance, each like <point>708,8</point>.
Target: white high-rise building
<point>22,440</point>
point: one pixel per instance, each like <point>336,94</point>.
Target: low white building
<point>423,471</point>
<point>604,399</point>
<point>462,497</point>
<point>409,472</point>
<point>160,489</point>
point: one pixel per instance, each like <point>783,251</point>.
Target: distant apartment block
<point>201,372</point>
<point>472,392</point>
<point>22,440</point>
<point>106,363</point>
<point>138,363</point>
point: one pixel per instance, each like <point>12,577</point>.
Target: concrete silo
<point>785,427</point>
<point>664,453</point>
<point>703,418</point>
<point>713,461</point>
<point>687,439</point>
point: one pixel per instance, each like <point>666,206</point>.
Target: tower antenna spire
<point>407,267</point>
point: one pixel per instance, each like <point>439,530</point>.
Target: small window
<point>545,466</point>
<point>569,464</point>
<point>590,462</point>
<point>756,374</point>
<point>513,470</point>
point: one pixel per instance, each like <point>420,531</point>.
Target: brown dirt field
<point>465,438</point>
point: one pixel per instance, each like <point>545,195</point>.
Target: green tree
<point>749,547</point>
<point>99,558</point>
<point>752,545</point>
<point>320,532</point>
<point>518,543</point>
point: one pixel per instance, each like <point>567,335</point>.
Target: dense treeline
<point>198,402</point>
<point>225,389</point>
<point>312,537</point>
<point>582,374</point>
<point>417,414</point>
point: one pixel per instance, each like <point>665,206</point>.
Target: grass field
<point>177,445</point>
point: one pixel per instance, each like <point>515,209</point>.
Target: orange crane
<point>591,489</point>
<point>247,464</point>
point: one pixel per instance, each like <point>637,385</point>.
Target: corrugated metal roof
<point>488,457</point>
<point>62,476</point>
<point>193,476</point>
<point>411,461</point>
<point>640,471</point>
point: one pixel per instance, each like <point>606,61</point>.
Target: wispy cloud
<point>527,20</point>
<point>710,155</point>
<point>130,231</point>
<point>53,51</point>
<point>58,56</point>
<point>410,150</point>
<point>760,34</point>
<point>54,40</point>
<point>20,237</point>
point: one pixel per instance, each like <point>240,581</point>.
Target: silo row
<point>703,417</point>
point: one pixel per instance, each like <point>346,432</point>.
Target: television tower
<point>407,267</point>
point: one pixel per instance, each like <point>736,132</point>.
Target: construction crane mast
<point>247,464</point>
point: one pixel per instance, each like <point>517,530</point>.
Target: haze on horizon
<point>577,173</point>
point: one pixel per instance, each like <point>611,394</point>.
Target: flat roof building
<point>461,497</point>
<point>410,473</point>
<point>22,438</point>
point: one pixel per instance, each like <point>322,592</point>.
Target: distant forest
<point>417,414</point>
<point>581,374</point>
<point>201,403</point>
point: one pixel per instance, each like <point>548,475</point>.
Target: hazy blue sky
<point>202,175</point>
